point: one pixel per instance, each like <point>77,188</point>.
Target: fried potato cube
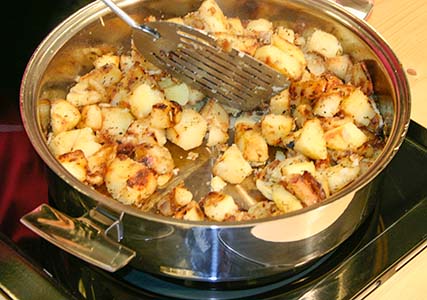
<point>85,93</point>
<point>91,116</point>
<point>165,114</point>
<point>182,196</point>
<point>231,166</point>
<point>216,136</point>
<point>328,105</point>
<point>219,206</point>
<point>77,139</point>
<point>311,141</point>
<point>98,162</point>
<point>154,156</point>
<point>259,25</point>
<point>263,209</point>
<point>218,122</point>
<point>302,113</point>
<point>180,93</point>
<point>244,43</point>
<point>106,75</point>
<point>190,131</point>
<point>142,99</point>
<point>248,137</point>
<point>116,121</point>
<point>217,184</point>
<point>253,145</point>
<point>190,212</point>
<point>176,199</point>
<point>90,88</point>
<point>141,131</point>
<point>209,17</point>
<point>357,106</point>
<point>339,65</point>
<point>298,168</point>
<point>63,116</point>
<point>284,199</point>
<point>107,59</point>
<point>345,137</point>
<point>306,188</point>
<point>324,43</point>
<point>76,163</point>
<point>339,176</point>
<point>280,103</point>
<point>265,187</point>
<point>285,33</point>
<point>128,181</point>
<point>195,96</point>
<point>215,114</point>
<point>287,59</point>
<point>275,128</point>
<point>235,26</point>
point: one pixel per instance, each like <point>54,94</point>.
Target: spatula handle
<point>131,22</point>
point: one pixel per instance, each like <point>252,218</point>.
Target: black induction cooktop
<point>394,234</point>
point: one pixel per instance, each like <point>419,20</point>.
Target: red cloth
<point>23,184</point>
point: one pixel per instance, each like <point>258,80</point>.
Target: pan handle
<point>360,8</point>
<point>79,237</point>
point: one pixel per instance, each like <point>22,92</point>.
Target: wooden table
<point>404,25</point>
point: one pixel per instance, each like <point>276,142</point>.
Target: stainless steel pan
<point>110,235</point>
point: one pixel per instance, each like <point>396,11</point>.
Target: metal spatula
<point>231,77</point>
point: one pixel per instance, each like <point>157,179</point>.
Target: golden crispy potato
<point>345,137</point>
<point>128,181</point>
<point>275,128</point>
<point>231,166</point>
<point>190,131</point>
<point>91,116</point>
<point>76,163</point>
<point>143,98</point>
<point>219,206</point>
<point>358,106</point>
<point>115,122</point>
<point>311,141</point>
<point>324,43</point>
<point>63,116</point>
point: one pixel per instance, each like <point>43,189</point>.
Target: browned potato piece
<point>345,137</point>
<point>219,206</point>
<point>165,114</point>
<point>128,181</point>
<point>311,141</point>
<point>357,106</point>
<point>115,122</point>
<point>91,116</point>
<point>76,163</point>
<point>324,43</point>
<point>284,199</point>
<point>63,116</point>
<point>231,166</point>
<point>339,176</point>
<point>143,98</point>
<point>76,139</point>
<point>190,131</point>
<point>218,122</point>
<point>154,156</point>
<point>98,162</point>
<point>275,128</point>
<point>190,212</point>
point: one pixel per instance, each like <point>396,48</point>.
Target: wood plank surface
<point>403,24</point>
